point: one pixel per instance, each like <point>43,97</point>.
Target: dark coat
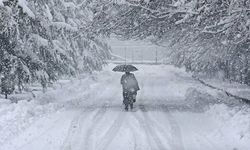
<point>129,83</point>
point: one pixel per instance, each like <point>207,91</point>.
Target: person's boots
<point>126,107</point>
<point>131,106</point>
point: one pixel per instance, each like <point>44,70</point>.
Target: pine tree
<point>43,40</point>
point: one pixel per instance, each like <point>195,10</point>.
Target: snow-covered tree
<point>46,39</point>
<point>203,35</point>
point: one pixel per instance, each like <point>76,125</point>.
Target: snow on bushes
<point>232,115</point>
<point>234,123</point>
<point>16,117</point>
<point>202,98</point>
<point>199,100</point>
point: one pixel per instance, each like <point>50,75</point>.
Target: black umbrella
<point>125,68</point>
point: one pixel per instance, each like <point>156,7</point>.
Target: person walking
<point>130,87</point>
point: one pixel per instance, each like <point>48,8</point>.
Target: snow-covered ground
<point>232,87</point>
<point>173,111</point>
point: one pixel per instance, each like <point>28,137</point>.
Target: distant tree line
<point>41,40</point>
<point>205,36</point>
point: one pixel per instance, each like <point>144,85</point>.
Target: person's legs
<point>125,100</point>
<point>126,107</point>
<point>134,96</point>
<point>130,99</point>
<point>131,106</point>
<point>124,96</point>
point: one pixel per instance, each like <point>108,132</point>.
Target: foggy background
<point>136,50</point>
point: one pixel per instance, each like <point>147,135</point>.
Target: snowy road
<point>161,119</point>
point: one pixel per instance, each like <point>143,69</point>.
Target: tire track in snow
<point>145,130</point>
<point>154,89</point>
<point>149,130</point>
<point>80,135</point>
<point>96,120</point>
<point>155,125</point>
<point>75,129</point>
<point>112,131</point>
<point>176,141</point>
<point>135,136</point>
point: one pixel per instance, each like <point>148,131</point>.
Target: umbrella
<point>125,68</point>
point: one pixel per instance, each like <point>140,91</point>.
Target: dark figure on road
<point>130,87</point>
